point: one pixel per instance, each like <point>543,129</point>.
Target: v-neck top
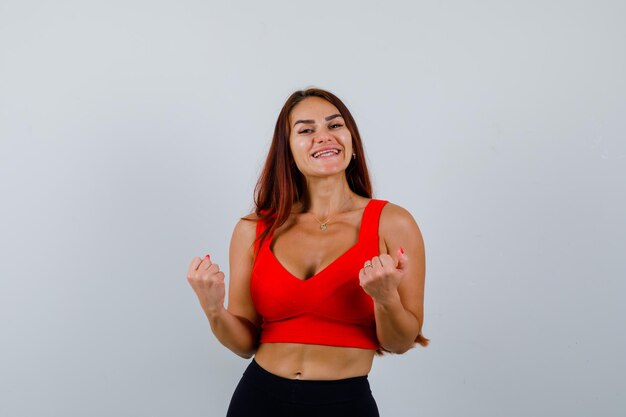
<point>329,308</point>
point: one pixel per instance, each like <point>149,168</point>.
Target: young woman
<point>322,276</point>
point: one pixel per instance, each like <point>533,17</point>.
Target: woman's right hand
<point>207,281</point>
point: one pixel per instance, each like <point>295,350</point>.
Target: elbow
<point>399,349</point>
<point>400,343</point>
<point>402,350</point>
<point>247,351</point>
<point>246,354</point>
<point>394,351</point>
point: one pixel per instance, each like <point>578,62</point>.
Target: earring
<point>353,156</point>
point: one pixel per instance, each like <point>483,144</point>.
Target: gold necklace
<point>324,224</point>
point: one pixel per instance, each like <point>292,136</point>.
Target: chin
<point>330,171</point>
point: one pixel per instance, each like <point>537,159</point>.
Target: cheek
<point>299,150</point>
<point>347,143</point>
<point>298,146</point>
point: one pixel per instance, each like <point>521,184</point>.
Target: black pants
<point>261,393</point>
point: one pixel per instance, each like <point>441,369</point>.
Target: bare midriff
<point>314,362</point>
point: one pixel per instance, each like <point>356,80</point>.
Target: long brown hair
<point>281,184</point>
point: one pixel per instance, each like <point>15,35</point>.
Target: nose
<point>324,135</point>
<point>323,139</point>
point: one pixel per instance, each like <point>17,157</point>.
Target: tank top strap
<point>368,234</point>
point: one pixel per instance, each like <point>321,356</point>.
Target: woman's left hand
<point>381,280</point>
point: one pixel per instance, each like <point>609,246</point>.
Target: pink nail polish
<point>208,256</point>
<point>401,250</point>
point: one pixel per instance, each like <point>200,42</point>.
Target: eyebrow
<point>331,117</point>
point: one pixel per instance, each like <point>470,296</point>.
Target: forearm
<point>236,333</point>
<point>396,327</point>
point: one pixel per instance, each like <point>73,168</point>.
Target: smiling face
<point>320,142</point>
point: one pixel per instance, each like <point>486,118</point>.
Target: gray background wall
<point>132,133</point>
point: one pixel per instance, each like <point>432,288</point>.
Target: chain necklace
<point>323,224</point>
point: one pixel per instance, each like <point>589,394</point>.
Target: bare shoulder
<point>245,229</point>
<point>398,224</point>
<point>394,217</point>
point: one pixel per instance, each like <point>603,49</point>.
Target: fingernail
<point>401,250</point>
<point>208,256</point>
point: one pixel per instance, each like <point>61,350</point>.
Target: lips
<point>326,152</point>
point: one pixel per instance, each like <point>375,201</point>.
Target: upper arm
<point>398,229</point>
<point>241,260</point>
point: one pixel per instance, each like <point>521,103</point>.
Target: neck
<point>328,196</point>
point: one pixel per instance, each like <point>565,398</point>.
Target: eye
<point>335,125</point>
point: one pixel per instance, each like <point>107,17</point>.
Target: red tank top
<point>330,308</point>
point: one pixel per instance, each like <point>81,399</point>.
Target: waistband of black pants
<point>308,391</point>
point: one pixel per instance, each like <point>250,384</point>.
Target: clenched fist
<point>207,281</point>
<point>380,277</point>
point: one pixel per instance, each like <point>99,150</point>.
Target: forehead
<point>312,108</point>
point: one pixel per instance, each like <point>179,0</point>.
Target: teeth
<point>324,153</point>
